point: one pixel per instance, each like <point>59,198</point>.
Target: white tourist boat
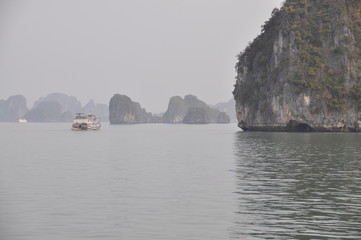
<point>85,122</point>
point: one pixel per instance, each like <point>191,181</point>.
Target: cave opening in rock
<point>295,126</point>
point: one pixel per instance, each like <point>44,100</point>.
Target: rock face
<point>50,111</point>
<point>100,110</point>
<point>59,107</point>
<point>223,118</point>
<point>55,107</point>
<point>228,108</point>
<point>89,107</point>
<point>68,103</point>
<point>13,108</point>
<point>191,110</point>
<point>196,115</point>
<point>122,110</point>
<point>176,111</point>
<point>303,72</point>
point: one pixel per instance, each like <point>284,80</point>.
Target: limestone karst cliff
<point>177,109</point>
<point>100,110</point>
<point>13,108</point>
<point>122,110</point>
<point>68,103</point>
<point>191,110</point>
<point>228,108</point>
<point>59,107</point>
<point>303,72</point>
<point>55,107</point>
<point>48,111</point>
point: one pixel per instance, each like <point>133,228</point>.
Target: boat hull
<point>85,127</point>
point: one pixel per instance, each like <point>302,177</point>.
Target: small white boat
<point>22,120</point>
<point>85,122</point>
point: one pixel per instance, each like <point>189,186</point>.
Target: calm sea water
<point>159,181</point>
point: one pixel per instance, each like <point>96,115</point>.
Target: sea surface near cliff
<point>166,181</point>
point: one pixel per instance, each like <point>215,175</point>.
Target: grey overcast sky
<point>149,50</point>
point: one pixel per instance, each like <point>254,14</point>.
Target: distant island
<point>55,107</point>
<point>122,110</point>
<point>59,107</point>
<point>190,110</point>
<point>13,108</point>
<point>303,72</point>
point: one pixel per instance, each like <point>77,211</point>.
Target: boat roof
<point>83,115</point>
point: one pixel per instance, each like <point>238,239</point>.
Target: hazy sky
<point>149,50</point>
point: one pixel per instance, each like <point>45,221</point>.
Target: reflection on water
<point>298,186</point>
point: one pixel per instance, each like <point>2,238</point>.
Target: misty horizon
<point>149,51</point>
<point>83,104</point>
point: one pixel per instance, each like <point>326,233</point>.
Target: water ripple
<point>298,186</point>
